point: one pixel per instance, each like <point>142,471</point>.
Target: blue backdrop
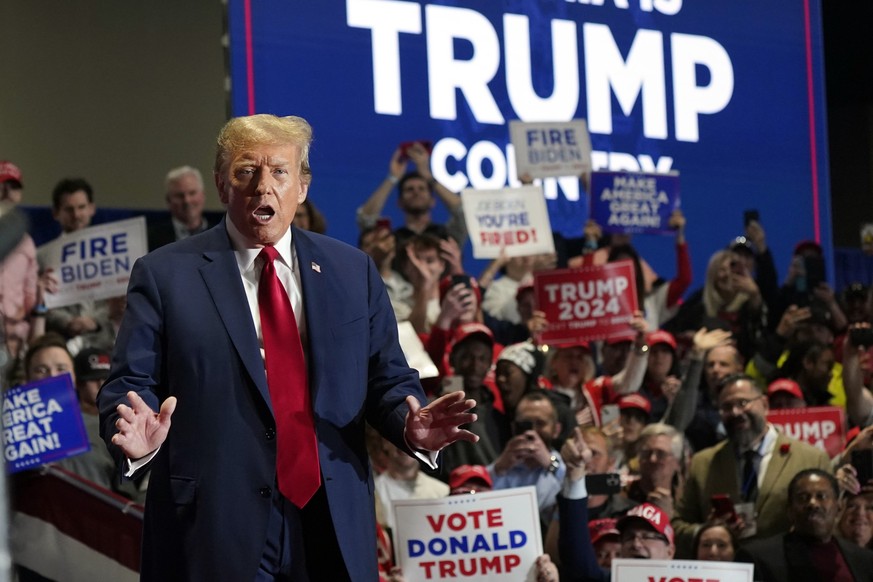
<point>729,93</point>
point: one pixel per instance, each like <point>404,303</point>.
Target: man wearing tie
<point>269,347</point>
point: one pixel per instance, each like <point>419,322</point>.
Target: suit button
<point>265,492</point>
<point>270,433</point>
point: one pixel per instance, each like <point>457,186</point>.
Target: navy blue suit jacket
<point>188,332</point>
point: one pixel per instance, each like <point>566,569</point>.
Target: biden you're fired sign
<point>493,536</point>
<point>514,220</point>
<point>95,262</point>
<point>42,422</point>
<point>634,202</point>
<point>543,150</point>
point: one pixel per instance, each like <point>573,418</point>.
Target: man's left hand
<point>437,425</point>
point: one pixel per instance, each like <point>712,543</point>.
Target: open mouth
<point>263,213</point>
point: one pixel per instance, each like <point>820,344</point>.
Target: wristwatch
<point>642,349</point>
<point>553,464</point>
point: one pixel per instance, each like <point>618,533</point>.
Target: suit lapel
<point>777,464</point>
<point>221,275</point>
<point>316,301</point>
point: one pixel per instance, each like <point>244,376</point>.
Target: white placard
<point>416,356</point>
<point>635,570</point>
<point>493,536</point>
<point>547,149</point>
<point>514,219</point>
<point>95,262</point>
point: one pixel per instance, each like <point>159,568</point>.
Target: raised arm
<point>372,208</point>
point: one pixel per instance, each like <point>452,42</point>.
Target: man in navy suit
<point>190,348</point>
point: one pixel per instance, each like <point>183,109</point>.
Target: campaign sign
<point>42,423</point>
<point>544,150</point>
<point>95,262</point>
<point>492,536</point>
<point>635,570</point>
<point>586,304</point>
<point>729,93</point>
<point>821,426</point>
<point>512,219</point>
<point>634,202</point>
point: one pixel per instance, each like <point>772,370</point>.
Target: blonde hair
<point>713,300</point>
<point>264,129</point>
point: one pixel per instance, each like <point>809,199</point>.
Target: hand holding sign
<point>140,429</point>
<point>437,425</point>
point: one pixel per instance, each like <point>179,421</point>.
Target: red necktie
<point>297,447</point>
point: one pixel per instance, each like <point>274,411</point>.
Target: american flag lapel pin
<point>315,267</point>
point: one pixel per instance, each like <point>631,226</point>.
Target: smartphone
<point>462,278</point>
<point>404,147</point>
<point>815,271</point>
<point>383,223</point>
<point>749,216</point>
<point>861,336</point>
<point>603,483</point>
<point>521,427</point>
<point>863,463</point>
<point>724,507</point>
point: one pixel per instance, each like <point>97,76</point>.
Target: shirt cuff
<point>134,466</point>
<point>574,489</point>
<point>429,458</point>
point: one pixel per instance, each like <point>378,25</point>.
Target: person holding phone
<point>529,457</point>
<point>418,192</point>
<point>752,466</point>
<point>645,532</point>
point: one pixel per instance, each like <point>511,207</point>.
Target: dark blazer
<point>188,332</point>
<point>785,558</point>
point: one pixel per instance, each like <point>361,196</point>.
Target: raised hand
<point>704,340</point>
<point>576,454</point>
<point>397,165</point>
<point>140,429</point>
<point>437,425</point>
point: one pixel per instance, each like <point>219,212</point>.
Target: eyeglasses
<point>642,535</point>
<point>646,454</point>
<point>743,404</point>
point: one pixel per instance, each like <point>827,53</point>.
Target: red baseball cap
<point>785,385</point>
<point>9,172</point>
<point>574,344</point>
<point>635,401</point>
<point>808,245</point>
<point>460,475</point>
<point>472,328</point>
<point>661,337</point>
<point>600,528</point>
<point>523,288</point>
<point>652,515</point>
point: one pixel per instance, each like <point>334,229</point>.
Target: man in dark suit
<point>192,347</point>
<point>185,200</point>
<point>809,552</point>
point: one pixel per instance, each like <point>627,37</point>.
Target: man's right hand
<point>140,430</point>
<point>575,453</point>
